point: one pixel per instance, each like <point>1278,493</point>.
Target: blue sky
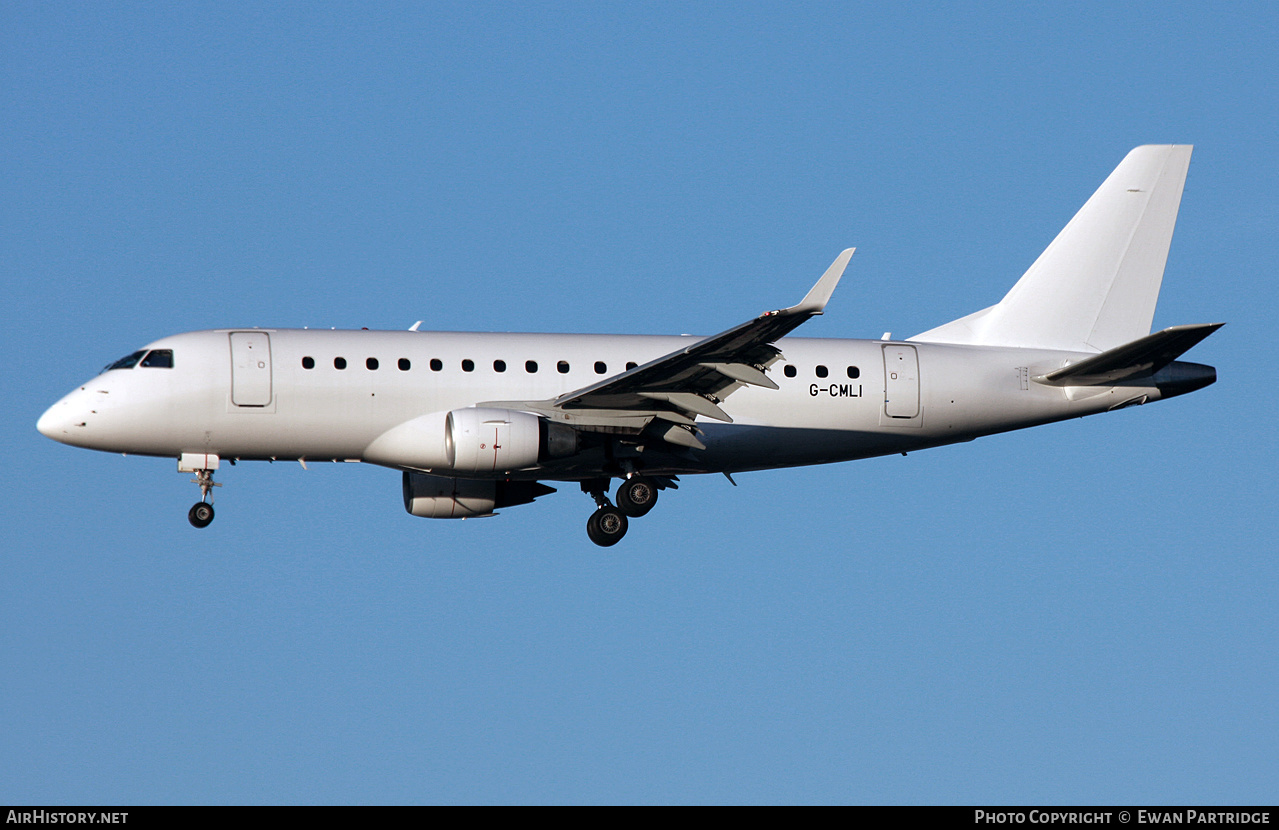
<point>1083,612</point>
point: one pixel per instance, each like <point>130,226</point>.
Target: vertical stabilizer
<point>1095,287</point>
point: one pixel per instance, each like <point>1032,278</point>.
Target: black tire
<point>200,514</point>
<point>636,496</point>
<point>606,526</point>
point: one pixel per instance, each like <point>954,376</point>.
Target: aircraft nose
<point>52,422</point>
<point>59,420</point>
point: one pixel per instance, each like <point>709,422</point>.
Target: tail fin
<point>1095,287</point>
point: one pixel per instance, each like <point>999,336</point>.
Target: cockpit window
<point>158,359</point>
<point>126,362</point>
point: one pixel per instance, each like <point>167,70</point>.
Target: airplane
<point>477,422</point>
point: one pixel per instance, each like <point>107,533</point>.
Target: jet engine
<point>473,440</point>
<point>489,440</point>
<point>437,497</point>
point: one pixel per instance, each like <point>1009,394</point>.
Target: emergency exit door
<point>901,381</point>
<point>250,368</point>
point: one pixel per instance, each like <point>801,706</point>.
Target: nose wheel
<point>201,513</point>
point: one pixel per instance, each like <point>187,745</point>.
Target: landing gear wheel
<point>636,496</point>
<point>606,527</point>
<point>201,514</point>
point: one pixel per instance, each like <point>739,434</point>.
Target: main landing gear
<point>201,513</point>
<point>608,524</point>
<point>636,496</point>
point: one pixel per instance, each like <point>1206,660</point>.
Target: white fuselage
<point>477,421</point>
<point>837,399</point>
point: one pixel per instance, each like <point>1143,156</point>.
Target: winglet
<point>815,300</point>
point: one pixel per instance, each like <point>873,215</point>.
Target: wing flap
<point>689,402</point>
<point>742,373</point>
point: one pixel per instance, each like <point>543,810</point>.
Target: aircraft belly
<point>742,448</point>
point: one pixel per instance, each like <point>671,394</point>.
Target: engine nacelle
<point>484,440</point>
<point>437,497</point>
<point>473,440</point>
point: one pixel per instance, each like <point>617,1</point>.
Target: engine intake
<point>483,440</point>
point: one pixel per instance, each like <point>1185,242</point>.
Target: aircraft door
<point>250,368</point>
<point>901,381</point>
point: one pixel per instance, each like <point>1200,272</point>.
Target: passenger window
<point>127,362</point>
<point>308,363</point>
<point>371,363</point>
<point>854,372</point>
<point>499,365</point>
<point>404,364</point>
<point>601,367</point>
<point>530,366</point>
<point>790,371</point>
<point>436,364</point>
<point>339,363</point>
<point>821,371</point>
<point>631,365</point>
<point>562,367</point>
<point>159,359</point>
<point>468,365</point>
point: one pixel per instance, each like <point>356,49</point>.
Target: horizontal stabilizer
<point>1140,358</point>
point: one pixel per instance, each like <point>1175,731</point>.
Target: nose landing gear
<point>203,465</point>
<point>201,513</point>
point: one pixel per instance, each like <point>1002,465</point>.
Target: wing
<point>678,387</point>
